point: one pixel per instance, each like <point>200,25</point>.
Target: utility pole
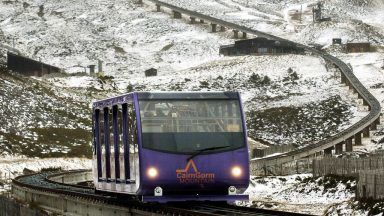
<point>301,11</point>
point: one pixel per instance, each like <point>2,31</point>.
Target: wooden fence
<point>346,166</point>
<point>294,167</point>
<point>370,173</point>
<point>370,184</point>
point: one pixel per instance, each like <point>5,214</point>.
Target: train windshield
<point>187,126</point>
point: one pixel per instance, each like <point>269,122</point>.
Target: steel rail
<point>372,102</point>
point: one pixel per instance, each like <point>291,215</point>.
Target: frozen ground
<point>303,194</point>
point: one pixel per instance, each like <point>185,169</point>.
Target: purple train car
<point>171,146</point>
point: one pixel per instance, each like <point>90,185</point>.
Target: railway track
<point>69,199</point>
<point>346,73</point>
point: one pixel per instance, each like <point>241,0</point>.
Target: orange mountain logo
<point>191,175</point>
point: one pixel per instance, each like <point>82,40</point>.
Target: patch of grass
<point>298,125</point>
<point>257,81</point>
<point>374,207</point>
<point>119,50</point>
<point>204,84</point>
<point>167,47</point>
<point>76,140</point>
<point>330,182</point>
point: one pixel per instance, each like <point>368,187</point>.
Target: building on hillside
<point>259,46</point>
<point>358,47</point>
<point>336,41</point>
<point>28,66</point>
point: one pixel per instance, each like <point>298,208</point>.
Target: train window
<point>95,129</point>
<point>132,125</point>
<point>132,137</point>
<point>101,126</point>
<point>102,143</point>
<point>120,128</point>
<point>190,125</point>
<point>110,125</point>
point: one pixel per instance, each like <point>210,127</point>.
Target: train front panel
<point>192,148</point>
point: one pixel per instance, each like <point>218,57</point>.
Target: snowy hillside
<point>126,37</point>
<point>41,120</point>
<point>69,35</point>
<point>351,20</point>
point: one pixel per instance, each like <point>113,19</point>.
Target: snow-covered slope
<point>130,39</point>
<point>127,38</point>
<point>38,119</point>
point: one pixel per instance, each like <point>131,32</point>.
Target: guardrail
<point>71,177</point>
<point>350,78</point>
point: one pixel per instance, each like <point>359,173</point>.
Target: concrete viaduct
<point>347,137</point>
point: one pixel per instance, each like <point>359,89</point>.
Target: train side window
<point>110,125</point>
<point>101,129</point>
<point>132,137</point>
<point>132,126</point>
<point>102,142</point>
<point>95,130</point>
<point>120,128</point>
<point>125,141</point>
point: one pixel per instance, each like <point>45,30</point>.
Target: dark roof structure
<point>28,66</point>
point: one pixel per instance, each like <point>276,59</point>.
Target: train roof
<point>187,95</point>
<point>165,96</point>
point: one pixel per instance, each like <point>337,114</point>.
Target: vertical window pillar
<point>125,141</point>
<point>97,143</point>
<point>116,141</point>
<point>230,112</point>
<point>106,141</point>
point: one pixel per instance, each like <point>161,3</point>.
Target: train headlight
<point>236,171</point>
<point>152,172</point>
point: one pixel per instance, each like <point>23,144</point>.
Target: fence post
<point>374,185</point>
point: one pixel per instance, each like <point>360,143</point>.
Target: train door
<point>116,148</point>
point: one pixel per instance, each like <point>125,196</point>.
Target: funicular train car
<point>171,146</point>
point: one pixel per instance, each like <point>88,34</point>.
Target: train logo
<point>193,176</point>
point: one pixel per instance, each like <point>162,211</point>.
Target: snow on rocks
<point>299,193</point>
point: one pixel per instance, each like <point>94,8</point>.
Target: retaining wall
<point>9,207</point>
